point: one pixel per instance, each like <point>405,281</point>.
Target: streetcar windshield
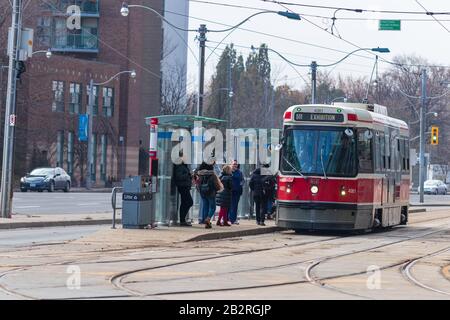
<point>320,151</point>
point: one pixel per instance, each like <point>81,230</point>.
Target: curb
<point>233,234</point>
<point>429,205</point>
<point>45,224</point>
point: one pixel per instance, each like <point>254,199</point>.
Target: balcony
<point>86,43</point>
<point>89,8</point>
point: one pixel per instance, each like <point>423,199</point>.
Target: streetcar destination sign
<point>325,117</point>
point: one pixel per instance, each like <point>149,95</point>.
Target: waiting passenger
<point>224,197</point>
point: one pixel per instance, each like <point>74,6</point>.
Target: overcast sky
<point>426,39</point>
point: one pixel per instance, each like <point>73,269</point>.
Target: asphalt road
<point>31,237</point>
<point>33,203</point>
<point>432,199</point>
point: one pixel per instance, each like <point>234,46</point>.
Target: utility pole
<point>422,135</point>
<point>90,115</point>
<point>10,110</point>
<point>230,94</point>
<point>313,82</point>
<point>201,79</point>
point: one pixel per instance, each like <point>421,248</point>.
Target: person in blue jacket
<point>238,184</point>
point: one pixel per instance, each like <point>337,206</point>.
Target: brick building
<point>52,93</point>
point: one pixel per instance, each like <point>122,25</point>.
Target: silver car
<point>435,187</point>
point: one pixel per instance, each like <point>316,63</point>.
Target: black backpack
<point>268,185</point>
<point>206,188</point>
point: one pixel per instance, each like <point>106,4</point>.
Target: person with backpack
<point>183,181</point>
<point>207,185</point>
<point>238,184</point>
<point>256,185</point>
<point>269,184</point>
<point>224,197</point>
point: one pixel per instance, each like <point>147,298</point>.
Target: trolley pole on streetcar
<point>313,82</point>
<point>422,135</point>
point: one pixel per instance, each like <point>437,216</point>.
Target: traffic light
<point>20,69</point>
<point>434,135</point>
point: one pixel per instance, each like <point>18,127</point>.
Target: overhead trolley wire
<point>358,10</point>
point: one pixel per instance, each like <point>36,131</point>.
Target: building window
<point>95,106</point>
<point>108,102</point>
<point>104,143</point>
<point>70,153</point>
<point>94,158</point>
<point>44,31</point>
<point>75,98</point>
<point>60,149</point>
<point>58,96</point>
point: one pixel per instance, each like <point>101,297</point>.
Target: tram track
<point>118,279</point>
<point>406,271</point>
<point>319,281</point>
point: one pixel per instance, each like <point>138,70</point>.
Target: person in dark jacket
<point>183,181</point>
<point>224,197</point>
<point>238,183</point>
<point>208,184</point>
<point>259,197</point>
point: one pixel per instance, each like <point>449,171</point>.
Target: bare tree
<point>174,99</point>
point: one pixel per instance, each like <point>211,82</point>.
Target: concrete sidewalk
<point>131,238</point>
<point>66,220</point>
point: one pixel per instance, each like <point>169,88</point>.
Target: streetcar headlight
<point>314,189</point>
<point>288,188</point>
<point>343,192</point>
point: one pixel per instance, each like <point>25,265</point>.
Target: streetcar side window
<point>383,151</point>
<point>387,150</point>
<point>376,153</point>
<point>402,154</point>
<point>365,138</point>
<point>407,153</point>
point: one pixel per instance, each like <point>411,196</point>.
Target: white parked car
<point>434,187</point>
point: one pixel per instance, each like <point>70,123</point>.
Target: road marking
<point>89,204</point>
<point>27,207</point>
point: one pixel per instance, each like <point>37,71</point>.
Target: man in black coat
<point>183,181</point>
<point>256,185</point>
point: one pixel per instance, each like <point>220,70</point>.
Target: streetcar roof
<point>362,116</point>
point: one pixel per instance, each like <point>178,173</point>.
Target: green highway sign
<point>393,25</point>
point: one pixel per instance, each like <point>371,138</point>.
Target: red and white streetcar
<point>343,167</point>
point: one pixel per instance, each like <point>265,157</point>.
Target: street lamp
<point>435,114</point>
<point>48,53</point>
<point>338,98</point>
<point>90,114</point>
<point>125,11</point>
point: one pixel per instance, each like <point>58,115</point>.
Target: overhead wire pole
<point>422,135</point>
<point>10,110</point>
<point>201,77</point>
<point>230,92</point>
